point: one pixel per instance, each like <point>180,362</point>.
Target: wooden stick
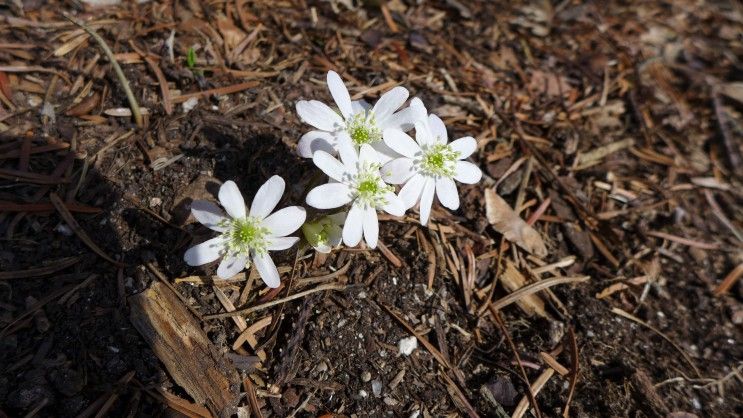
<point>179,342</point>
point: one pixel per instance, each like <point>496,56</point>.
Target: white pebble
<point>377,388</point>
<point>189,104</point>
<point>407,345</point>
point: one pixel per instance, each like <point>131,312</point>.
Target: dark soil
<point>527,80</point>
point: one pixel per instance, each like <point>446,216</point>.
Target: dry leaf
<point>508,223</point>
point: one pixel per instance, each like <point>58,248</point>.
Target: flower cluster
<point>375,154</point>
<point>373,165</point>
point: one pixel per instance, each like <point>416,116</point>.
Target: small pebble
<point>363,393</point>
<point>407,345</point>
<point>64,230</point>
<point>377,388</point>
<point>189,104</point>
<point>365,377</point>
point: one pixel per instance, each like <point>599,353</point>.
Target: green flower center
<point>362,128</point>
<point>439,160</point>
<point>368,186</point>
<point>245,235</point>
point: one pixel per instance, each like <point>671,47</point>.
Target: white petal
<point>438,129</point>
<point>385,154</point>
<point>467,172</point>
<point>353,228</point>
<point>267,197</point>
<point>267,270</point>
<point>394,205</point>
<point>398,171</point>
<point>371,227</point>
<point>206,252</point>
<point>330,166</point>
<point>347,151</point>
<point>281,243</point>
<point>340,94</point>
<point>423,135</point>
<point>403,120</point>
<point>314,141</point>
<point>427,200</point>
<point>359,106</point>
<point>232,200</point>
<point>368,155</point>
<point>464,146</point>
<point>411,191</point>
<point>329,196</point>
<point>231,265</point>
<point>285,221</point>
<point>418,109</point>
<point>401,142</point>
<point>447,193</point>
<point>389,103</point>
<point>319,115</point>
<point>209,215</point>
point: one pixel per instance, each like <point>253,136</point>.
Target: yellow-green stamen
<point>369,187</point>
<point>362,128</point>
<point>439,160</point>
<point>246,235</point>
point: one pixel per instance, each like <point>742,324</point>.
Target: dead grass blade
<point>46,270</point>
<point>78,230</point>
<point>536,387</point>
<point>507,222</point>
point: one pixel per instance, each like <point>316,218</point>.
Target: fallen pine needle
<point>684,241</point>
<point>535,287</point>
<point>256,308</point>
<point>574,372</point>
<point>50,268</point>
<point>631,317</point>
<point>217,91</point>
<point>535,388</point>
<point>78,230</point>
<point>728,282</point>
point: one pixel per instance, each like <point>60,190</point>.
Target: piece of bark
<point>179,342</point>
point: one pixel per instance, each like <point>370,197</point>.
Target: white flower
<point>246,235</point>
<point>325,233</point>
<point>356,180</point>
<point>429,164</point>
<point>357,121</point>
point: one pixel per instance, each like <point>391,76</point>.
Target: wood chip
<point>179,342</point>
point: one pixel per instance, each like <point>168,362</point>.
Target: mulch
<point>595,271</point>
